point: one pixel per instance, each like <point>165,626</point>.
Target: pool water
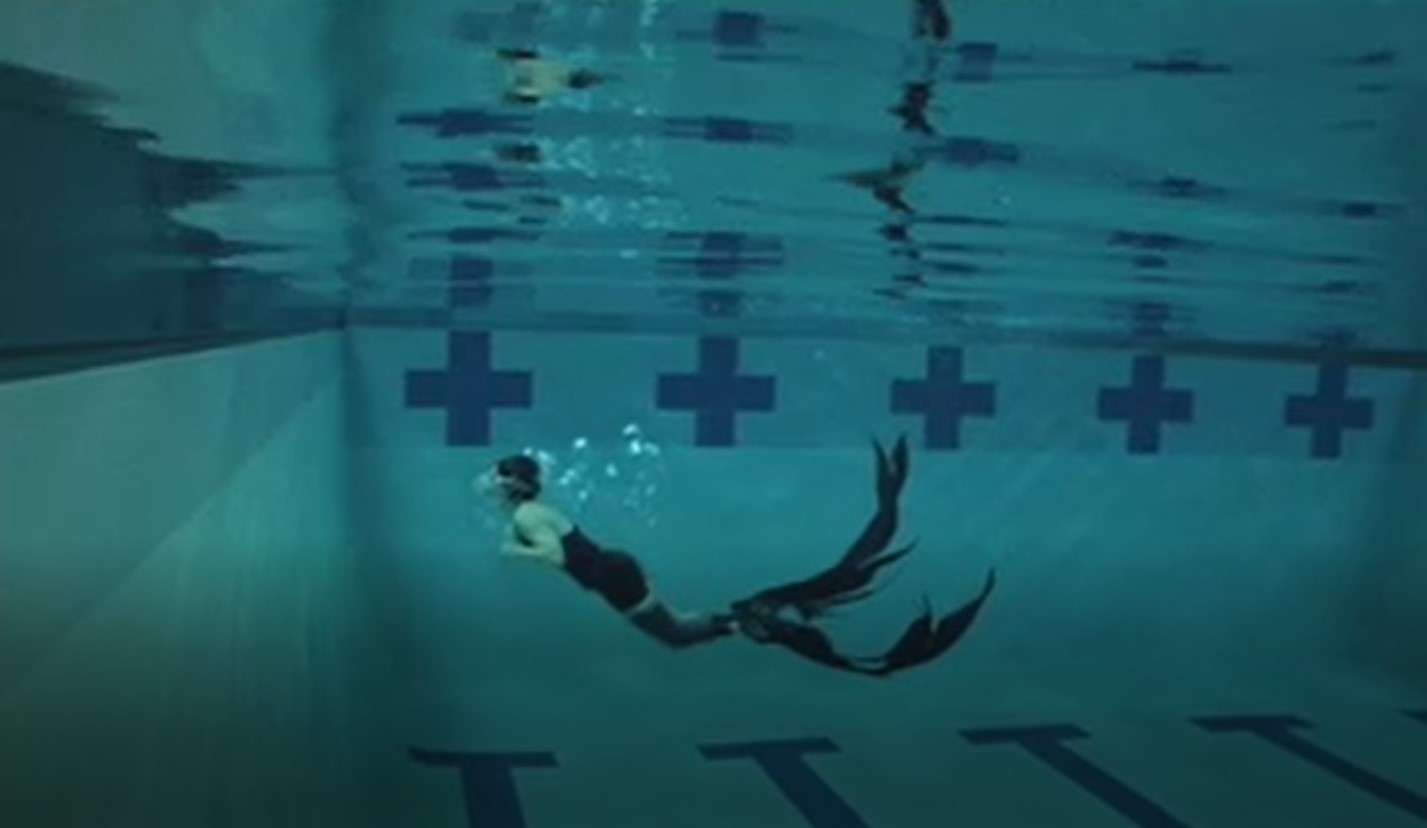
<point>1136,285</point>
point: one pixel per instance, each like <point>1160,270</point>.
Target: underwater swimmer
<point>781,616</point>
<point>542,533</point>
<point>533,78</point>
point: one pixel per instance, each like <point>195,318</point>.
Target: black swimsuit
<point>616,576</point>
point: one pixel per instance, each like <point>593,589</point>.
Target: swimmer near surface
<point>786,615</point>
<point>533,78</point>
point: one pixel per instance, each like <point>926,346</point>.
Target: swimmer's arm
<point>536,552</point>
<point>542,543</point>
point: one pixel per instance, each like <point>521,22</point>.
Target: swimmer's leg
<point>678,629</point>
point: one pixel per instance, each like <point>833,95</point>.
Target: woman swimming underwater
<point>542,533</point>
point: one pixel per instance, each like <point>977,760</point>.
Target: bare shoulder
<point>532,516</point>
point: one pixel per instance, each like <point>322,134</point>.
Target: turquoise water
<point>1136,284</point>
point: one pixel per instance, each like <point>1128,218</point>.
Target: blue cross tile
<point>1185,63</point>
<point>470,282</point>
<point>724,254</point>
<point>722,130</point>
<point>975,62</point>
<point>951,268</point>
<point>1329,411</point>
<point>453,123</point>
<point>721,304</point>
<point>722,257</point>
<point>470,178</point>
<point>468,389</point>
<point>1156,241</point>
<point>943,399</point>
<point>963,220</point>
<point>1146,404</point>
<point>1150,318</point>
<point>1361,209</point>
<point>477,235</point>
<point>738,34</point>
<point>1189,189</point>
<point>716,393</point>
<point>740,30</point>
<point>1336,338</point>
<point>1340,287</point>
<point>1152,262</point>
<point>970,151</point>
<point>764,57</point>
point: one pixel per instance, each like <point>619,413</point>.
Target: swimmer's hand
<point>516,549</point>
